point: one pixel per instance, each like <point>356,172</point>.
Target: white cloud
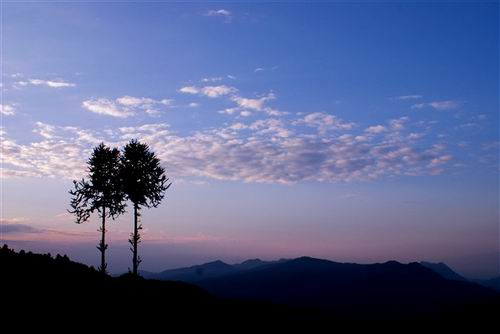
<point>189,90</point>
<point>409,97</point>
<point>216,91</point>
<point>125,106</point>
<point>49,83</point>
<point>261,69</point>
<point>245,113</point>
<point>255,104</point>
<point>212,79</point>
<point>209,91</point>
<point>267,150</point>
<point>398,124</point>
<point>220,12</point>
<point>106,107</point>
<point>437,105</point>
<point>376,129</point>
<point>324,122</point>
<point>7,110</point>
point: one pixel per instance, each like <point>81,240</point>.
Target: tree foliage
<point>144,182</point>
<point>101,192</point>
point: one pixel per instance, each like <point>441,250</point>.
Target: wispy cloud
<point>408,97</point>
<point>209,91</point>
<point>224,13</point>
<point>58,83</point>
<point>212,79</point>
<point>244,105</point>
<point>262,69</point>
<point>438,105</point>
<point>125,106</point>
<point>17,225</point>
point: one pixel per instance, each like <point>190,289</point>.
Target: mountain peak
<point>443,269</point>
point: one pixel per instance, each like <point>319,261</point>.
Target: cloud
<point>48,83</point>
<point>376,129</point>
<point>255,104</point>
<point>212,79</point>
<point>17,225</point>
<point>216,91</point>
<point>408,97</point>
<point>7,110</point>
<point>209,91</point>
<point>262,69</point>
<point>398,124</point>
<point>125,106</point>
<point>106,107</point>
<point>220,13</point>
<point>314,147</point>
<point>324,122</point>
<point>244,104</point>
<point>245,113</point>
<point>437,105</point>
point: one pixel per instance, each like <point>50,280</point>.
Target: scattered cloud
<point>58,83</point>
<point>7,110</point>
<point>324,122</point>
<point>209,91</point>
<point>408,97</point>
<point>224,13</point>
<point>216,91</point>
<point>376,129</point>
<point>126,106</point>
<point>255,104</point>
<point>315,147</point>
<point>437,105</point>
<point>106,107</point>
<point>212,79</point>
<point>262,69</point>
<point>244,105</point>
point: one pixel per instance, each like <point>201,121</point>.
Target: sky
<point>356,132</point>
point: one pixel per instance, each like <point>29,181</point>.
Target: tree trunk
<point>135,240</point>
<point>102,246</point>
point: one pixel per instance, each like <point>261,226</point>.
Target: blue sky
<point>355,132</point>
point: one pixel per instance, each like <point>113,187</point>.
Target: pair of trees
<point>114,177</point>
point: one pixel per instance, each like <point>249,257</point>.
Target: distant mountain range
<point>345,288</point>
<point>219,268</point>
<point>445,271</point>
<point>287,293</point>
<point>207,270</point>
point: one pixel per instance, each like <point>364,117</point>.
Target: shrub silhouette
<point>144,183</point>
<point>102,192</point>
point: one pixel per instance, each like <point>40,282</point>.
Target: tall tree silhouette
<point>102,192</point>
<point>144,183</point>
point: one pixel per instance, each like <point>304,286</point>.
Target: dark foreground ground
<point>49,292</point>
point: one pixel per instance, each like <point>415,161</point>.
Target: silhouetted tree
<point>144,183</point>
<point>102,192</point>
